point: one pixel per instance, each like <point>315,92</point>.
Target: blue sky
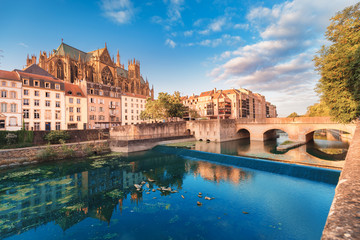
<point>187,46</point>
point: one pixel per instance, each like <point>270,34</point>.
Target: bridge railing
<point>149,136</point>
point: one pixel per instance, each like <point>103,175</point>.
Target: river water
<point>319,152</point>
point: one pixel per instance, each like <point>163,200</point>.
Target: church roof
<point>67,50</point>
<point>142,80</point>
<point>36,69</point>
<point>121,72</point>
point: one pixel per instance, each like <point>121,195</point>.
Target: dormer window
<point>26,82</point>
<point>70,92</point>
<point>36,83</point>
<point>78,93</point>
<point>47,85</point>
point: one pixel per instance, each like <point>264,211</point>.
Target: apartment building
<point>132,105</point>
<point>231,103</point>
<point>76,107</point>
<point>43,102</point>
<point>10,101</point>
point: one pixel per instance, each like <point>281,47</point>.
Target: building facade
<point>76,107</point>
<point>131,107</point>
<point>10,101</point>
<point>43,102</point>
<point>232,103</point>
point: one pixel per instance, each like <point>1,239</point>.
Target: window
<point>26,126</point>
<point>71,100</point>
<point>26,82</point>
<point>101,117</point>
<point>91,91</point>
<point>137,105</point>
<point>36,126</point>
<point>26,102</point>
<point>132,99</point>
<point>132,105</point>
<point>78,110</point>
<point>57,86</point>
<point>12,121</point>
<point>26,113</point>
<point>36,103</point>
<point>3,107</point>
<point>57,126</point>
<point>101,101</point>
<point>47,103</point>
<point>13,108</point>
<point>101,109</point>
<point>2,124</point>
<point>48,114</point>
<point>78,101</point>
<point>57,115</point>
<point>92,100</point>
<point>57,104</point>
<point>13,94</point>
<point>78,118</point>
<point>71,118</point>
<point>36,84</point>
<point>26,92</point>
<point>57,95</point>
<point>13,84</point>
<point>125,117</point>
<point>3,93</point>
<point>92,117</point>
<point>37,93</point>
<point>36,114</point>
<point>71,109</point>
<point>47,85</point>
<point>100,93</point>
<point>3,83</point>
<point>47,94</point>
<point>125,110</point>
<point>132,111</point>
<point>125,104</point>
<point>92,109</point>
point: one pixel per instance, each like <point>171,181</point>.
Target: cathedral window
<point>74,73</point>
<point>60,70</point>
<point>106,76</point>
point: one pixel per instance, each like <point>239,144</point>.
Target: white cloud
<point>120,11</point>
<point>225,39</point>
<point>170,43</point>
<point>173,14</point>
<point>188,33</point>
<point>23,45</point>
<point>280,62</point>
<point>216,25</point>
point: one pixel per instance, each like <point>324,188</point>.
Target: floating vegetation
<point>116,193</point>
<point>110,235</point>
<point>22,174</point>
<point>174,219</point>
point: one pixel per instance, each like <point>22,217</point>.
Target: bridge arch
<point>309,135</point>
<point>272,133</point>
<point>243,133</point>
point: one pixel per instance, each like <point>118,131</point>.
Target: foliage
<point>56,136</point>
<point>47,154</point>
<point>165,107</point>
<point>339,64</point>
<point>193,113</point>
<point>294,114</point>
<point>318,110</point>
<point>11,138</point>
<point>66,150</point>
<point>23,138</point>
<point>88,150</point>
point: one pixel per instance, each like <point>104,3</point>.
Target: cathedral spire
<point>105,45</point>
<point>118,59</point>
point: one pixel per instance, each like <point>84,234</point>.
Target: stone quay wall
<point>31,155</point>
<point>343,221</point>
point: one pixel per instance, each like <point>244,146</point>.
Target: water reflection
<point>316,152</point>
<point>71,192</point>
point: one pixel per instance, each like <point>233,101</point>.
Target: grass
<point>287,142</point>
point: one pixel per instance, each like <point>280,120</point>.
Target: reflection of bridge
<point>298,129</point>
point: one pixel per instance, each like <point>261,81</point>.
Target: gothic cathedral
<point>70,64</point>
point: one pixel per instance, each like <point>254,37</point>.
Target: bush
<point>11,138</point>
<point>55,136</point>
<point>88,150</point>
<point>66,150</point>
<point>47,153</point>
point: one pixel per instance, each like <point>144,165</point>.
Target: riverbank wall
<point>32,155</point>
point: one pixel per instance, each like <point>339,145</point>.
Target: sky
<point>182,45</point>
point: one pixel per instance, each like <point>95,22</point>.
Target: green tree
<point>294,114</point>
<point>337,63</point>
<point>318,110</point>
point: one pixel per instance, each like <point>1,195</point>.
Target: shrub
<point>47,153</point>
<point>11,138</point>
<point>66,150</point>
<point>88,150</point>
<point>55,136</point>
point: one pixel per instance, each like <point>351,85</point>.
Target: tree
<point>338,65</point>
<point>294,114</point>
<point>318,110</point>
<point>165,107</point>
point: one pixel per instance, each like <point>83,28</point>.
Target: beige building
<point>10,101</point>
<point>232,103</point>
<point>43,102</point>
<point>132,105</point>
<point>76,107</point>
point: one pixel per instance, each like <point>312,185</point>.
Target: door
<point>47,126</point>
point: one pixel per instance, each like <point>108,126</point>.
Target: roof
<point>231,91</point>
<point>39,77</point>
<point>134,95</point>
<point>208,93</point>
<point>9,75</point>
<point>142,80</point>
<point>121,72</point>
<point>66,50</point>
<point>36,69</point>
<point>73,90</point>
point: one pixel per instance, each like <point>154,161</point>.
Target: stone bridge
<point>298,129</point>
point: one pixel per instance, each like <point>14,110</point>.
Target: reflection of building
<point>232,103</point>
<point>217,173</point>
<point>10,101</point>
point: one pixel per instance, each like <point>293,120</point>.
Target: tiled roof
<point>9,75</point>
<point>66,50</point>
<point>73,90</point>
<point>36,69</point>
<point>39,77</point>
<point>208,93</point>
<point>121,72</point>
<point>135,95</point>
